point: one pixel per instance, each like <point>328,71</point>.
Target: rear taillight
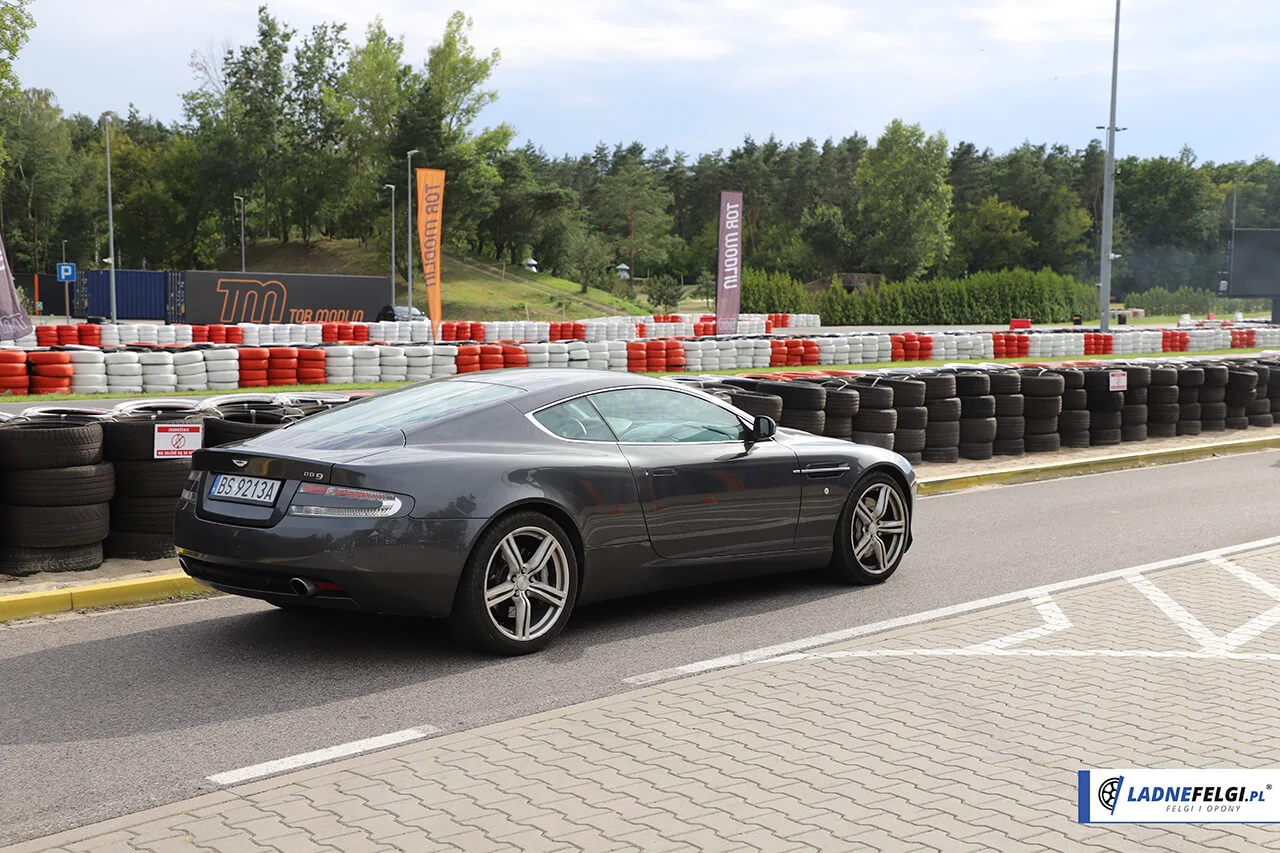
<point>189,490</point>
<point>343,502</point>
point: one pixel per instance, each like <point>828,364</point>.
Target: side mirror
<point>763,427</point>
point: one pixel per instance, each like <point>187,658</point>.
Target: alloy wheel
<point>878,534</point>
<point>526,583</point>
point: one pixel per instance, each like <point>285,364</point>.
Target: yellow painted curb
<point>1053,471</point>
<point>25,605</point>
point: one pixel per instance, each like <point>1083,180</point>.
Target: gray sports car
<point>501,500</point>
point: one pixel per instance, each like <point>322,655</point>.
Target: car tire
<point>218,431</point>
<point>54,527</point>
<point>37,446</point>
<point>139,546</point>
<point>864,553</point>
<point>473,621</point>
<point>946,455</point>
<point>84,484</point>
<point>20,562</point>
<point>154,515</point>
<point>154,478</point>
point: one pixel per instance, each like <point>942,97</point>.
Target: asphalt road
<point>110,713</point>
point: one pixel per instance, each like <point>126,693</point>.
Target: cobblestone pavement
<point>955,735</point>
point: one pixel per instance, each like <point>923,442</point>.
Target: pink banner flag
<point>729,263</point>
<point>14,321</point>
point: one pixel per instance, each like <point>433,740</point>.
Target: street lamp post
<point>66,287</point>
<point>409,242</point>
<point>392,187</point>
<point>111,222</point>
<point>240,199</point>
<point>1109,187</point>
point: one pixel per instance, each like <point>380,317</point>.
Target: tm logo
<point>1108,792</point>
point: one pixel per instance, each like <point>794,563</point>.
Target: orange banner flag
<point>430,227</point>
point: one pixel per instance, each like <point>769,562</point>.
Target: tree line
<point>311,128</point>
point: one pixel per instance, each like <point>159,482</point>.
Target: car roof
<point>546,385</point>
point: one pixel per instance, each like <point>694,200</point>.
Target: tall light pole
<point>392,187</point>
<point>111,221</point>
<point>66,287</point>
<point>1109,187</point>
<point>409,243</point>
<point>240,199</point>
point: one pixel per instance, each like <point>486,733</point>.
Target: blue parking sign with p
<point>66,272</point>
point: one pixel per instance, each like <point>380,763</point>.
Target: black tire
<point>908,440</point>
<point>1164,413</point>
<point>1216,374</point>
<point>20,562</point>
<point>1137,376</point>
<point>756,404</point>
<point>1190,377</point>
<point>1136,397</point>
<point>1162,395</point>
<point>943,455</point>
<point>800,396</point>
<point>842,403</point>
<point>978,407</point>
<point>1213,426</point>
<point>846,565</point>
<point>37,446</point>
<point>942,434</point>
<point>1134,415</point>
<point>1259,407</point>
<point>1107,421</point>
<point>906,392</point>
<point>139,546</point>
<point>882,440</point>
<point>1262,421</point>
<point>85,484</point>
<point>938,386</point>
<point>1009,447</point>
<point>1005,382</point>
<point>1211,394</point>
<point>1071,378</point>
<point>977,430</point>
<point>875,396</point>
<point>1190,411</point>
<point>1075,421</point>
<point>54,526</point>
<point>1168,430</point>
<point>1189,427</point>
<point>1191,394</point>
<point>1038,384</point>
<point>1097,381</point>
<point>1076,440</point>
<point>1106,401</point>
<point>912,417</point>
<point>144,515</point>
<point>1164,376</point>
<point>1046,443</point>
<point>219,431</point>
<point>973,384</point>
<point>945,409</point>
<point>977,451</point>
<point>1042,407</point>
<point>1104,437</point>
<point>875,420</point>
<point>802,419</point>
<point>1238,423</point>
<point>1042,426</point>
<point>1133,432</point>
<point>160,477</point>
<point>741,382</point>
<point>841,428</point>
<point>1213,411</point>
<point>1240,399</point>
<point>471,621</point>
<point>1010,405</point>
<point>914,457</point>
<point>1075,399</point>
<point>1010,429</point>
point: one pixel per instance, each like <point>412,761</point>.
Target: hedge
<point>1159,302</point>
<point>985,298</point>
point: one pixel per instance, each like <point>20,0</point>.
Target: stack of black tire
<point>1190,381</point>
<point>977,415</point>
<point>1259,410</point>
<point>1241,393</point>
<point>237,417</point>
<point>803,404</point>
<point>1073,419</point>
<point>743,393</point>
<point>843,402</point>
<point>1273,386</point>
<point>1043,397</point>
<point>1135,413</point>
<point>1214,410</point>
<point>1162,403</point>
<point>58,490</point>
<point>1106,408</point>
<point>876,422</point>
<point>147,489</point>
<point>1011,421</point>
<point>910,433</point>
<point>942,411</point>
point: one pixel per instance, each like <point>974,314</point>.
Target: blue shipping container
<point>140,294</point>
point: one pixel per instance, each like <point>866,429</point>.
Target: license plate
<point>253,490</point>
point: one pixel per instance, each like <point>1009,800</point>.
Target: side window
<point>658,416</point>
<point>576,419</point>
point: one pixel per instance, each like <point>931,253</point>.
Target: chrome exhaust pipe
<point>302,587</point>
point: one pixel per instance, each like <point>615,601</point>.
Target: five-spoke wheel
<point>874,532</point>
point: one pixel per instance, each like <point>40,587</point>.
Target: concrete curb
<point>27,605</point>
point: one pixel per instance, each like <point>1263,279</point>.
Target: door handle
<point>662,472</point>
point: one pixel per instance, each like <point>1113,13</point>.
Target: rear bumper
<point>399,565</point>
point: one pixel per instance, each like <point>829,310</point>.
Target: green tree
<point>632,207</point>
<point>824,229</point>
<point>318,176</point>
<point>989,236</point>
<point>590,258</point>
<point>705,287</point>
<point>15,25</point>
<point>36,178</point>
<point>664,292</point>
<point>904,201</point>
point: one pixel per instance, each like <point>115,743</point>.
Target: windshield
<point>379,421</point>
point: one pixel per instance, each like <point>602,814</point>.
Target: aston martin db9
<point>502,500</point>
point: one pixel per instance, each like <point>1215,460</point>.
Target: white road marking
<point>1179,615</point>
<point>1054,621</point>
<point>1032,653</point>
<point>781,649</point>
<point>1258,625</point>
<point>319,756</point>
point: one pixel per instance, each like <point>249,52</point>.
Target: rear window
<point>385,414</point>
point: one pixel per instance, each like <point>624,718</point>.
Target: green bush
<point>1158,302</point>
<point>772,293</point>
<point>985,298</point>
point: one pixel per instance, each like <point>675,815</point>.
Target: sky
<point>700,75</point>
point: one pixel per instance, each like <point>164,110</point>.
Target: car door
<point>706,490</point>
